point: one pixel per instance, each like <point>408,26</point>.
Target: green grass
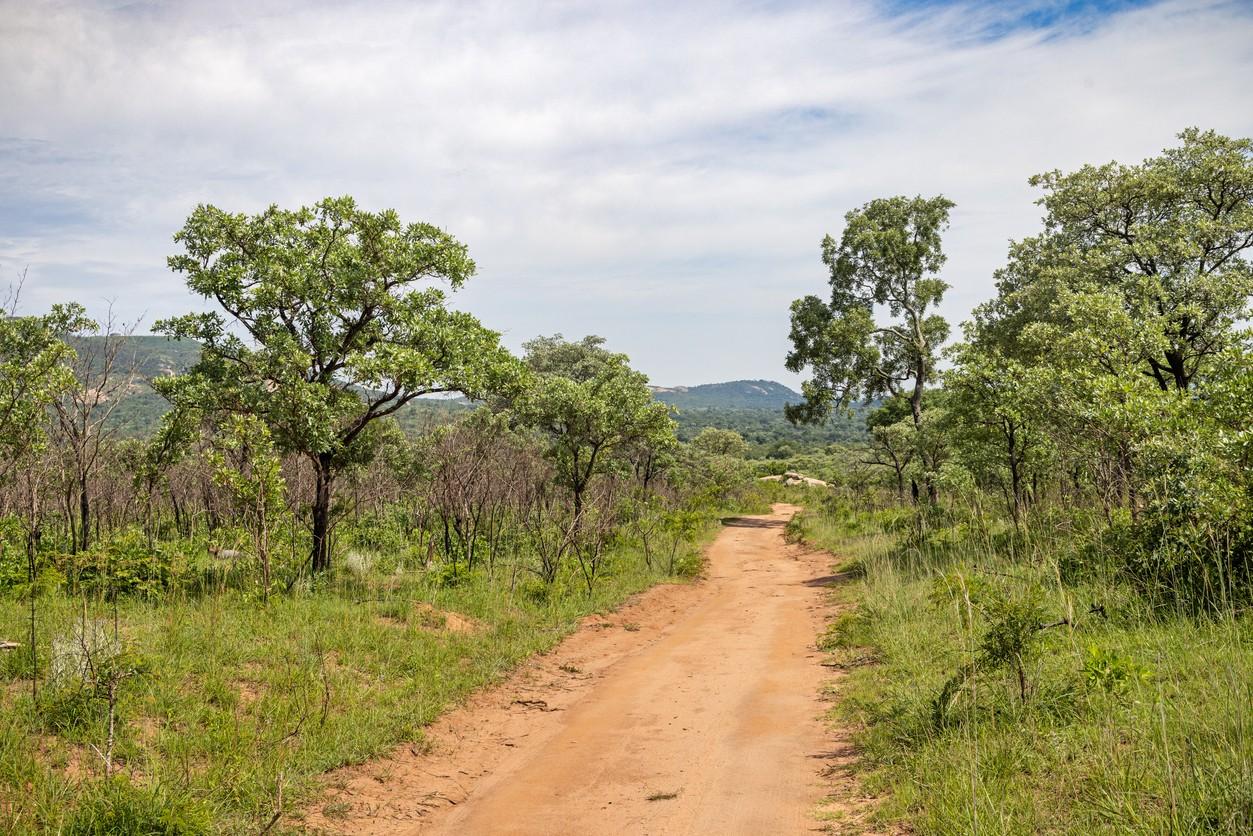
<point>238,704</point>
<point>1135,721</point>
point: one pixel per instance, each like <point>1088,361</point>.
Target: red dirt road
<point>693,710</point>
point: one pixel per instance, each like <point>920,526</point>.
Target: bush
<point>13,567</point>
<point>116,807</point>
<point>125,565</point>
<point>72,707</point>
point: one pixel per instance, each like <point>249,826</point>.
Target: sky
<point>659,173</point>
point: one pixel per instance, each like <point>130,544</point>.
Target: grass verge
<point>231,709</point>
<point>1005,699</point>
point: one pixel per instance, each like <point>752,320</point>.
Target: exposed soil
<point>434,619</point>
<point>693,709</point>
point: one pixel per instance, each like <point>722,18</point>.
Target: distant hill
<point>754,408</point>
<point>155,357</point>
<point>151,357</point>
<point>734,394</point>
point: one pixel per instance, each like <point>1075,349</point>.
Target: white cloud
<point>661,173</point>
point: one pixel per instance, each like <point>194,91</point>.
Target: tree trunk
<point>263,546</point>
<point>34,636</point>
<point>1177,370</point>
<point>323,479</point>
<point>915,397</point>
<point>1015,478</point>
<point>84,512</point>
<point>915,407</point>
<point>69,517</point>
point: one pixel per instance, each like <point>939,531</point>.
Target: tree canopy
<point>33,372</point>
<point>325,328</point>
<point>887,257</point>
<point>1154,247</point>
<point>591,406</point>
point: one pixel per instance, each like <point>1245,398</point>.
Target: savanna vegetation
<point>1048,532</point>
<point>252,549</point>
<point>282,578</point>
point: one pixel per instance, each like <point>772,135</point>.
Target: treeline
<point>329,323</point>
<point>1107,381</point>
<point>769,434</point>
<point>1048,535</point>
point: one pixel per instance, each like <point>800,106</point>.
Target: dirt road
<point>693,710</point>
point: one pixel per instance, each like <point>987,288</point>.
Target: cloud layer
<point>660,173</point>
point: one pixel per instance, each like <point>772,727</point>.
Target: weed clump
<point>117,806</point>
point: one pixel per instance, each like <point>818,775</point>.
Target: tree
<point>716,442</point>
<point>471,480</point>
<point>590,405</point>
<point>33,373</point>
<point>887,257</point>
<point>1115,311</point>
<point>103,372</point>
<point>245,462</point>
<point>998,419</point>
<point>1165,239</point>
<point>892,439</point>
<point>338,334</point>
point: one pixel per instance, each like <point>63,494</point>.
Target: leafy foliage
<point>340,338</point>
<point>591,406</point>
<point>32,374</point>
<point>887,256</point>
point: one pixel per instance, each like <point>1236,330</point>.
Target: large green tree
<point>327,325</point>
<point>886,261</point>
<point>1108,324</point>
<point>1165,241</point>
<point>592,408</point>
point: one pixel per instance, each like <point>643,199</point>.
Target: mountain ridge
<point>730,394</point>
<point>158,356</point>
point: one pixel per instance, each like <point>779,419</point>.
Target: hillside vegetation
<point>1051,539</point>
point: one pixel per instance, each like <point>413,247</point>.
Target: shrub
<point>115,806</point>
<point>1109,672</point>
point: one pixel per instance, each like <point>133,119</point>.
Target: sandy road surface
<point>693,710</point>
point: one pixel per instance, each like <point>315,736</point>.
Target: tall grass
<point>235,707</point>
<point>1136,718</point>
